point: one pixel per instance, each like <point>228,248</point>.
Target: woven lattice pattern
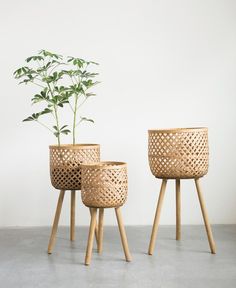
<point>178,153</point>
<point>65,163</point>
<point>104,184</point>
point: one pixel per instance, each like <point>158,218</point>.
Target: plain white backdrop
<point>163,64</point>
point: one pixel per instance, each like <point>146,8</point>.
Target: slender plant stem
<point>58,129</point>
<point>79,122</point>
<point>45,126</point>
<point>56,115</point>
<point>74,120</point>
<point>54,108</point>
<point>53,68</point>
<point>71,107</point>
<point>82,102</point>
<point>37,84</point>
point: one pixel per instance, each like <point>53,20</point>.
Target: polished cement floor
<point>186,263</point>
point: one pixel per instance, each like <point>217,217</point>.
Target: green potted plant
<point>62,81</point>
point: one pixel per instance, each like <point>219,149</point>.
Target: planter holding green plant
<point>62,82</point>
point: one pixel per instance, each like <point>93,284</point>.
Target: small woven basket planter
<point>104,184</point>
<point>178,153</point>
<point>65,163</point>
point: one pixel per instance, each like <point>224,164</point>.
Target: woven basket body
<point>104,184</point>
<point>65,163</point>
<point>178,153</point>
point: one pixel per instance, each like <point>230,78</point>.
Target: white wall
<point>162,64</point>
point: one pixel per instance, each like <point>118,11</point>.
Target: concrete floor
<point>186,263</point>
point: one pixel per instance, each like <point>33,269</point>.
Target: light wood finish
<point>180,153</point>
<point>205,218</point>
<point>100,229</point>
<point>178,210</point>
<point>55,222</point>
<point>65,163</point>
<point>157,217</point>
<point>100,233</point>
<point>123,234</point>
<point>91,236</point>
<point>72,216</point>
<point>96,227</point>
<point>104,184</point>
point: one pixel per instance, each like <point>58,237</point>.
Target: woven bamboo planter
<point>104,184</point>
<point>178,153</point>
<point>65,163</point>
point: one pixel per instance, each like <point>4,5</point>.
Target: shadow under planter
<point>65,173</point>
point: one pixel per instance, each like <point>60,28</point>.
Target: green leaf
<point>95,63</point>
<point>40,97</point>
<point>90,94</point>
<point>63,127</point>
<point>17,72</point>
<point>46,53</point>
<point>86,119</point>
<point>56,134</point>
<point>30,118</point>
<point>24,81</point>
<point>89,83</point>
<point>37,98</point>
<point>34,58</point>
<point>29,59</point>
<point>46,111</point>
<point>66,132</point>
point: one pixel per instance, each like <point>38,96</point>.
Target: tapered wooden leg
<point>96,227</point>
<point>123,234</point>
<point>205,217</point>
<point>178,210</point>
<point>55,222</point>
<point>100,229</point>
<point>91,236</point>
<point>72,216</point>
<point>157,217</point>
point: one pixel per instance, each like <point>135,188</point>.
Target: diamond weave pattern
<point>104,186</point>
<point>179,153</point>
<point>65,163</point>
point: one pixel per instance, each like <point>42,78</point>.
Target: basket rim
<point>104,165</point>
<point>74,146</point>
<point>177,130</point>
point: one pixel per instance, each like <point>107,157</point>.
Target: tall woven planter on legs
<point>179,154</point>
<point>65,163</point>
<point>65,172</point>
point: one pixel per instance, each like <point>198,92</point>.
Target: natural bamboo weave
<point>178,153</point>
<point>65,163</point>
<point>104,184</point>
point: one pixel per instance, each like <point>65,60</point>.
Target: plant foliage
<point>61,81</point>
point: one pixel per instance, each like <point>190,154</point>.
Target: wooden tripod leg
<point>123,234</point>
<point>157,217</point>
<point>96,227</point>
<point>91,236</point>
<point>178,210</point>
<point>72,216</point>
<point>205,217</point>
<point>55,222</point>
<point>100,229</point>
